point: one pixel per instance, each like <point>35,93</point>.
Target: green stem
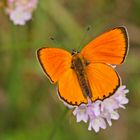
<point>57,124</point>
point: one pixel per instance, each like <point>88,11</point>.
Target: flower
<point>20,11</point>
<point>100,112</point>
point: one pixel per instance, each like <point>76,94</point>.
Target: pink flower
<point>97,123</point>
<point>98,112</point>
<point>19,16</point>
<point>20,11</point>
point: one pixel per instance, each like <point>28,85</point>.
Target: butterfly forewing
<point>54,62</point>
<point>111,47</point>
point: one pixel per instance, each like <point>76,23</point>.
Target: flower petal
<point>97,112</point>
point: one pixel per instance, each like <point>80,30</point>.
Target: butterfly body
<point>79,66</point>
<point>87,74</point>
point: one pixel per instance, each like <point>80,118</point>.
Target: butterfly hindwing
<point>111,47</point>
<point>103,79</point>
<point>69,89</point>
<point>54,62</point>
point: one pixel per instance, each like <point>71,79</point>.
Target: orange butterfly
<point>87,74</point>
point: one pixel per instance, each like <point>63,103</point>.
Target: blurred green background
<point>29,106</point>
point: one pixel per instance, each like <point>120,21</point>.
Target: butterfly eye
<point>74,52</point>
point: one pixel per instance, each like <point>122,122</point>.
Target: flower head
<point>100,112</point>
<point>20,11</point>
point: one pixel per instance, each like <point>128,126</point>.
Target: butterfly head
<point>74,52</point>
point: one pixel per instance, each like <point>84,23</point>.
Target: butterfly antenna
<point>56,43</point>
<point>52,38</point>
<point>84,37</point>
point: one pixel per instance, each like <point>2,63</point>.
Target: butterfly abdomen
<point>78,65</point>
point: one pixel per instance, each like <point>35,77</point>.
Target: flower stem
<point>57,124</point>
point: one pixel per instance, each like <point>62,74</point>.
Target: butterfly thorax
<point>79,66</point>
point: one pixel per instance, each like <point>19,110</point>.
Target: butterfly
<point>89,74</point>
